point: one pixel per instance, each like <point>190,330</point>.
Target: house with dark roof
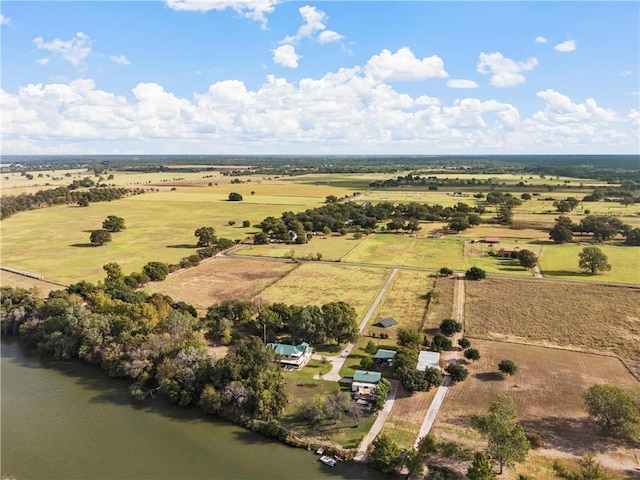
<point>292,356</point>
<point>386,322</point>
<point>384,357</point>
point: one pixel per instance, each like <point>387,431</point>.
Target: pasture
<point>548,390</point>
<point>316,283</point>
<point>561,261</point>
<point>593,318</point>
<point>219,279</point>
<point>405,419</point>
<point>20,281</point>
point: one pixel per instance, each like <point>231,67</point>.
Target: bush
<point>235,197</point>
<point>507,367</point>
<point>246,223</point>
<point>440,342</point>
<point>450,326</point>
<point>475,273</point>
<point>535,440</point>
<point>445,272</point>
<point>464,342</point>
<point>156,271</point>
<point>457,372</point>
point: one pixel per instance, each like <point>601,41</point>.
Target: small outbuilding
<point>428,360</point>
<point>386,322</point>
<point>438,235</point>
<point>492,240</point>
<point>384,357</point>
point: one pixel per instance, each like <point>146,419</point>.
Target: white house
<point>428,360</point>
<point>292,356</point>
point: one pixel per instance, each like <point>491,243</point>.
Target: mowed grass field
<point>548,390</point>
<point>160,226</point>
<point>219,279</point>
<point>15,280</point>
<point>316,283</point>
<point>572,315</point>
<point>406,417</point>
<point>332,248</point>
<point>561,261</point>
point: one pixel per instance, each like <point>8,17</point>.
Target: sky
<point>328,77</point>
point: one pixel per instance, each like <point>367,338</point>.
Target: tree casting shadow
<point>83,245</point>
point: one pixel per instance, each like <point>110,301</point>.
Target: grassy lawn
<point>14,280</point>
<point>548,390</point>
<point>331,248</point>
<point>405,419</point>
<point>561,261</point>
<point>316,283</point>
<point>444,307</point>
<point>220,279</point>
<point>408,251</point>
<point>575,315</point>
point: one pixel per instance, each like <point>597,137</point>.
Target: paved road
<point>338,361</point>
<point>363,449</point>
<point>436,403</point>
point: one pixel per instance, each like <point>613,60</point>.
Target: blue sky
<point>261,76</point>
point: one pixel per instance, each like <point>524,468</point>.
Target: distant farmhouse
<point>292,356</point>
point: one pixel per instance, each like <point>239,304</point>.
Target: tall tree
<point>527,258</point>
<point>113,224</point>
<point>614,410</point>
<point>506,441</point>
<point>593,259</point>
<point>206,236</point>
<point>384,454</point>
<point>100,237</point>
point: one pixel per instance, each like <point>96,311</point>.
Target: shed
<point>384,357</point>
<point>428,360</point>
<point>492,240</point>
<point>438,235</point>
<point>387,322</point>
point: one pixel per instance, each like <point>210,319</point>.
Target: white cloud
<point>568,46</point>
<point>626,73</point>
<point>314,21</point>
<point>541,39</point>
<point>4,20</point>
<point>74,51</point>
<point>286,56</point>
<point>329,36</point>
<point>346,111</point>
<point>120,59</point>
<point>403,65</point>
<point>504,71</point>
<point>256,10</point>
<point>43,61</point>
<point>460,83</point>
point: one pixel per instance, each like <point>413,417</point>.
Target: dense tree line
<point>13,204</point>
<point>602,227</point>
<point>338,217</point>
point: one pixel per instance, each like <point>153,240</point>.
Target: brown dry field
<point>220,279</point>
<point>15,280</point>
<point>444,308</point>
<point>591,318</point>
<point>404,301</point>
<point>405,419</point>
<point>547,389</point>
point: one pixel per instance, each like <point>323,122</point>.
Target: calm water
<point>68,420</point>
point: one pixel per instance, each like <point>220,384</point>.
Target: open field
<point>318,283</point>
<point>404,301</point>
<point>15,280</point>
<point>405,419</point>
<point>160,227</point>
<point>547,389</point>
<point>570,315</point>
<point>444,307</point>
<point>220,279</point>
<point>332,248</point>
<point>562,261</point>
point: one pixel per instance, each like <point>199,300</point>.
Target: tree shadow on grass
<point>183,245</point>
<point>565,273</point>
<point>83,245</point>
<point>489,377</point>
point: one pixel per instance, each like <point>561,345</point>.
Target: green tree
<point>472,354</point>
<point>260,238</point>
<point>464,342</point>
<point>613,409</point>
<point>449,326</point>
<point>113,224</point>
<point>367,363</point>
<point>246,223</point>
<point>206,236</point>
<point>336,405</point>
<point>445,271</point>
<point>427,445</point>
<point>593,259</point>
<point>632,237</point>
<point>115,277</point>
<point>527,258</point>
<point>504,214</point>
<point>507,367</point>
<point>506,441</point>
<point>156,271</point>
<point>440,343</point>
<point>413,462</point>
<point>475,273</point>
<point>480,469</point>
<point>371,348</point>
<point>100,237</point>
<point>560,234</point>
<point>456,372</point>
<point>235,197</point>
<point>384,454</point>
<point>459,224</point>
